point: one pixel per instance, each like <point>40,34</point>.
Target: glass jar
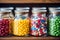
<point>54,22</point>
<point>21,22</point>
<point>5,22</point>
<point>38,22</point>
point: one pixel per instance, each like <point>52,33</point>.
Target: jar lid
<point>53,10</point>
<point>6,8</point>
<point>37,8</point>
<point>22,8</point>
<point>56,8</point>
<point>21,11</point>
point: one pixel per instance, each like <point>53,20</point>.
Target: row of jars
<point>38,24</point>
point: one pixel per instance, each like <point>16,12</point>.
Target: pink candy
<point>4,27</point>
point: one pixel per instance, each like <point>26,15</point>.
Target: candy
<point>54,26</point>
<point>11,26</point>
<point>38,23</point>
<point>21,27</point>
<point>35,32</point>
<point>4,27</point>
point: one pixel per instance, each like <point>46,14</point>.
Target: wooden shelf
<point>22,1</point>
<point>52,1</point>
<point>29,1</point>
<point>29,38</point>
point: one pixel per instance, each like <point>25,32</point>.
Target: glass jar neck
<point>5,15</point>
<point>0,15</point>
<point>22,15</point>
<point>35,14</point>
<point>55,14</point>
<point>40,14</point>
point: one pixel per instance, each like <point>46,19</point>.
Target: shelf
<point>29,1</point>
<point>29,38</point>
<point>52,1</point>
<point>22,1</point>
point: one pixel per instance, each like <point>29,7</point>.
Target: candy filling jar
<point>21,22</point>
<point>38,22</point>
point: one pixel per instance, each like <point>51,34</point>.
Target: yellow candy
<point>21,27</point>
<point>11,25</point>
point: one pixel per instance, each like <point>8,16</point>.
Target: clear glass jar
<point>38,22</point>
<point>54,22</point>
<point>21,22</point>
<point>5,22</point>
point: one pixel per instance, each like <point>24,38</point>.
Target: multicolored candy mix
<point>38,25</point>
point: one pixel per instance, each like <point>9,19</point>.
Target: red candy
<point>41,31</point>
<point>4,27</point>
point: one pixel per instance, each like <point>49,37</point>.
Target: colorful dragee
<point>38,25</point>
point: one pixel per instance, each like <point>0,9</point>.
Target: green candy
<point>54,26</point>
